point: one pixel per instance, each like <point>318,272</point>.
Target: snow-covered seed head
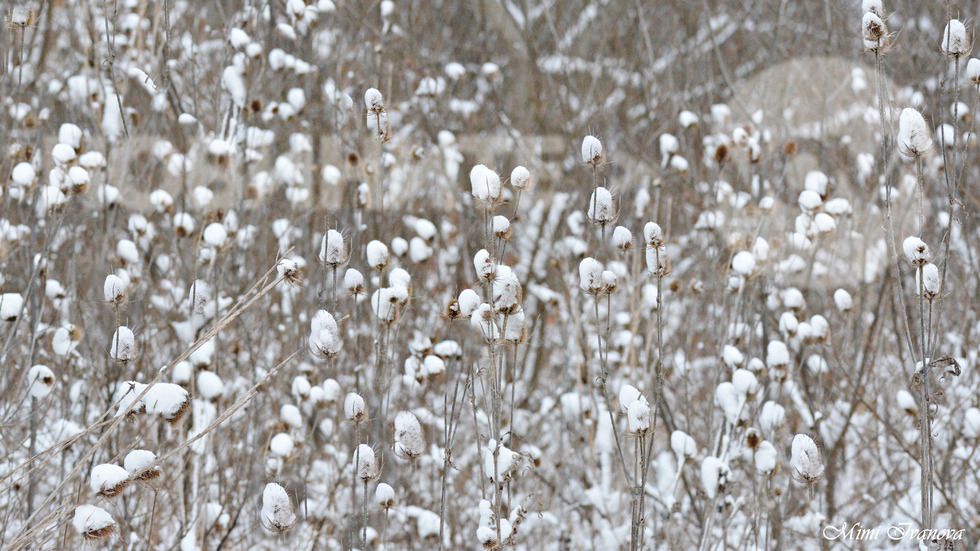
<point>658,264</point>
<point>333,253</point>
<point>874,31</point>
<point>409,441</point>
<point>638,417</point>
<point>139,464</point>
<point>622,238</point>
<point>653,236</point>
<point>354,408</point>
<point>806,461</point>
<point>216,235</point>
<point>928,284</point>
<point>354,281</point>
<point>277,510</point>
<point>40,381</point>
<point>123,345</point>
<point>114,289</point>
<point>290,271</point>
<point>843,300</point>
<point>377,255</point>
<point>873,6</point>
<point>592,151</point>
<point>601,209</point>
<point>590,275</point>
<point>365,464</point>
<point>108,480</point>
<point>501,227</point>
<point>955,42</point>
<point>199,294</point>
<point>683,445</point>
<point>743,263</point>
<point>916,251</point>
<point>520,178</point>
<point>608,281</point>
<point>973,70</point>
<point>384,496</point>
<point>914,138</point>
<point>168,400</point>
<point>325,341</point>
<point>468,302</point>
<point>484,184</point>
<point>482,319</point>
<point>484,265</point>
<point>507,291</point>
<point>93,523</point>
<point>374,101</point>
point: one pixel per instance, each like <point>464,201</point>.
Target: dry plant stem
<point>925,417</point>
<point>110,41</point>
<point>603,374</point>
<point>23,537</point>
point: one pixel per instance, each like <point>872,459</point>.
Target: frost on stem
<point>916,251</point>
<point>955,42</point>
<point>914,139</point>
<point>806,461</point>
<point>93,523</point>
<point>325,341</point>
<point>277,510</point>
<point>409,441</point>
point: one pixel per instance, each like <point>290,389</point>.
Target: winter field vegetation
<point>526,274</point>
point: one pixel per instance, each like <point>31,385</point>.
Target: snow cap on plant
<point>483,319</point>
<point>332,250</point>
<point>658,264</point>
<point>123,345</point>
<point>138,464</point>
<point>806,461</point>
<point>93,523</point>
<point>955,42</point>
<point>40,381</point>
<point>354,408</point>
<point>484,183</point>
<point>108,480</point>
<point>409,440</point>
<point>484,265</point>
<point>520,178</point>
<point>874,31</point>
<point>277,510</point>
<point>374,101</point>
<point>168,400</point>
<point>353,281</point>
<point>916,251</point>
<point>638,417</point>
<point>622,238</point>
<point>468,302</point>
<point>973,70</point>
<point>683,445</point>
<point>325,341</point>
<point>384,496</point>
<point>590,276</point>
<point>114,289</point>
<point>653,236</point>
<point>601,209</point>
<point>928,285</point>
<point>377,255</point>
<point>199,294</point>
<point>914,138</point>
<point>365,464</point>
<point>501,227</point>
<point>592,151</point>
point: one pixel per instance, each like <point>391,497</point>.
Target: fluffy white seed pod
<point>622,238</point>
<point>929,284</point>
<point>277,510</point>
<point>377,255</point>
<point>354,408</point>
<point>123,345</point>
<point>806,461</point>
<point>409,440</point>
<point>914,138</point>
<point>520,178</point>
<point>955,42</point>
<point>601,209</point>
<point>590,275</point>
<point>325,341</point>
<point>40,381</point>
<point>333,253</point>
<point>114,289</point>
<point>365,463</point>
<point>592,151</point>
<point>916,251</point>
<point>384,496</point>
